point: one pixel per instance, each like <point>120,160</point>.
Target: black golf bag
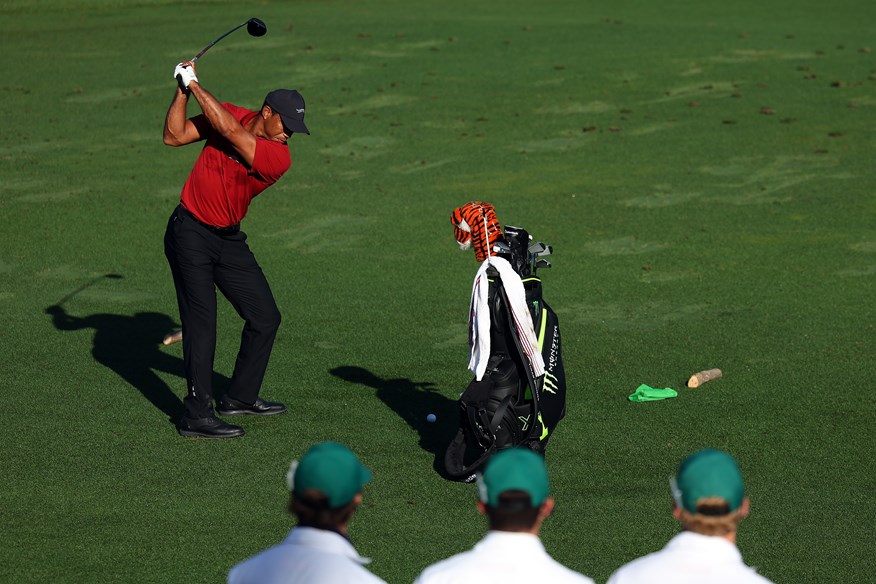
<point>509,406</point>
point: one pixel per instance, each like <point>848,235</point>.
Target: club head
<point>501,247</point>
<point>536,248</point>
<point>256,27</point>
<point>542,264</point>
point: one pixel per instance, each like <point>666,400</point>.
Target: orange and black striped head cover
<point>475,225</point>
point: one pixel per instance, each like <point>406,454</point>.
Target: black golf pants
<point>201,260</point>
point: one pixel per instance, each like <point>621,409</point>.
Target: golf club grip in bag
<point>509,406</point>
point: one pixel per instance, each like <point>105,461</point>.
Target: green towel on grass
<point>646,393</point>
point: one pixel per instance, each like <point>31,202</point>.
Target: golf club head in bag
<point>516,240</point>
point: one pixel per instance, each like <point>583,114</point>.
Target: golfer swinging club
<point>245,153</point>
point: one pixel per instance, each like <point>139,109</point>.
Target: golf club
<point>540,249</point>
<point>254,27</point>
<point>88,285</point>
<point>536,251</point>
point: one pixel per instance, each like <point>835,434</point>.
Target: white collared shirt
<point>306,556</point>
<point>690,558</point>
<point>502,557</point>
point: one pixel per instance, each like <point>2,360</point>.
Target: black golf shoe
<point>207,428</point>
<point>231,407</point>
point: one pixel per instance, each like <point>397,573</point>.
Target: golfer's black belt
<point>230,230</point>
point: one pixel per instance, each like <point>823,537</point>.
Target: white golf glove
<point>184,76</point>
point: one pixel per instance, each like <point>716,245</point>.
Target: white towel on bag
<point>479,318</point>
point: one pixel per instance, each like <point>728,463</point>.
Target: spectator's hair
<point>514,512</point>
<point>311,507</point>
<point>713,517</point>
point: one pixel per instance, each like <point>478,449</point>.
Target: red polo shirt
<point>221,186</point>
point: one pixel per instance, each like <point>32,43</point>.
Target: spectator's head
<point>513,491</point>
<point>326,486</point>
<point>709,494</point>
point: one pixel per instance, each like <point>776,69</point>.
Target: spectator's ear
<point>482,508</point>
<point>676,512</point>
<point>546,509</point>
<point>744,508</point>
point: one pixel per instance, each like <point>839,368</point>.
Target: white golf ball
<point>431,418</point>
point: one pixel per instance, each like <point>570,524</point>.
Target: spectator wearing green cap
<point>709,502</point>
<point>513,494</point>
<point>326,488</point>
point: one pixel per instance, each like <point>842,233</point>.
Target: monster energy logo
<point>555,348</point>
<point>550,382</point>
<point>524,421</point>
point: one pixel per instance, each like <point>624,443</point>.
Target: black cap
<point>290,105</point>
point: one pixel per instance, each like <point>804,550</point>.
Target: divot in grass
<point>661,198</point>
<point>372,103</point>
<point>629,245</point>
<point>363,147</point>
<point>49,196</point>
<point>857,272</point>
<point>313,236</point>
<point>419,166</point>
<point>864,247</point>
<point>593,107</point>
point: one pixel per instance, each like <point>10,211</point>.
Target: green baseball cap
<point>330,468</point>
<point>708,473</point>
<point>514,469</point>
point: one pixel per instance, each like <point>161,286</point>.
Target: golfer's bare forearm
<point>224,123</point>
<point>175,121</point>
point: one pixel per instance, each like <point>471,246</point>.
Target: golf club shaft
<point>205,49</point>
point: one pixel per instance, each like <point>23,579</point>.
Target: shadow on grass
<point>130,346</point>
<point>412,401</point>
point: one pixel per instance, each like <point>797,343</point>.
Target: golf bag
<point>509,406</point>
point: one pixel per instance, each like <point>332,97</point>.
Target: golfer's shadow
<point>130,346</point>
<point>412,401</point>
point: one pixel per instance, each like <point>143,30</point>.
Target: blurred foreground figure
<point>709,502</point>
<point>513,494</point>
<point>326,488</point>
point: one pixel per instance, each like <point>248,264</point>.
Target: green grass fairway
<point>703,168</point>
